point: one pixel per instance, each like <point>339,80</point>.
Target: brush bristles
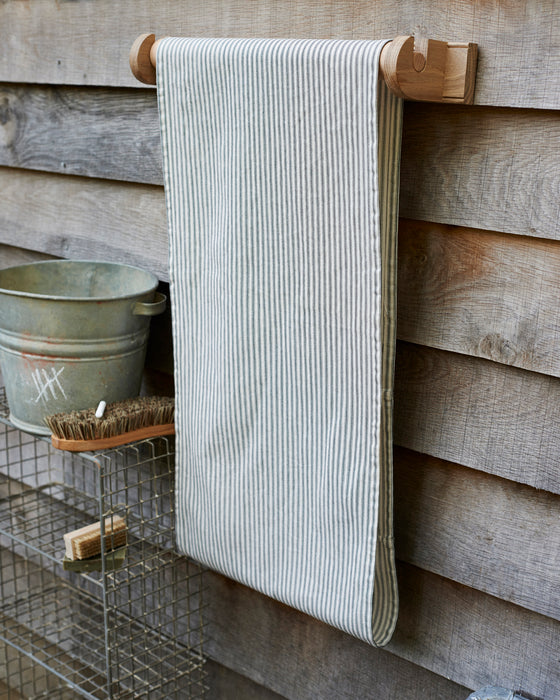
<point>119,417</point>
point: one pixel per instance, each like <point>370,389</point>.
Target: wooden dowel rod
<point>429,71</point>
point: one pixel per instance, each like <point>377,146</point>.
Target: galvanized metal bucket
<point>72,333</point>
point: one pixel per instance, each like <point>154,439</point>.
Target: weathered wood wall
<point>477,456</point>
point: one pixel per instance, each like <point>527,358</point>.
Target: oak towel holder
<point>427,71</point>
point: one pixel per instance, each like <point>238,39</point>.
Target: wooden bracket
<point>439,71</point>
<point>430,71</point>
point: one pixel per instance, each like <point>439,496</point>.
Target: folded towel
<point>281,177</point>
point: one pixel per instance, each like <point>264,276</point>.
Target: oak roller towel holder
<point>424,70</point>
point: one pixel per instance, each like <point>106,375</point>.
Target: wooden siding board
<point>225,684</point>
<point>482,531</point>
<point>493,169</point>
<point>302,658</point>
<point>87,42</point>
<point>475,639</point>
<point>480,414</point>
<point>480,293</point>
<point>11,255</point>
<point>96,132</point>
<point>447,628</point>
<point>74,217</point>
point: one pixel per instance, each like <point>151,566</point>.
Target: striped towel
<point>281,179</point>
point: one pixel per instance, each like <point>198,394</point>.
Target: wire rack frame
<point>131,623</point>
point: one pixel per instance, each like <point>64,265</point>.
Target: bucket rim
<point>154,282</point>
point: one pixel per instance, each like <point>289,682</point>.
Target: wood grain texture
<point>485,532</point>
<point>475,639</point>
<point>495,169</point>
<point>305,659</point>
<point>11,255</point>
<point>96,132</point>
<point>480,293</point>
<point>87,43</point>
<point>73,217</point>
<point>225,684</point>
<point>480,414</point>
<point>447,628</point>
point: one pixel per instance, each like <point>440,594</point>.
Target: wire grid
<point>134,629</point>
<point>31,679</point>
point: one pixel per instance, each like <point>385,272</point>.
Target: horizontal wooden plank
<point>97,132</point>
<point>485,532</point>
<point>74,217</point>
<point>475,639</point>
<point>480,293</point>
<point>87,43</point>
<point>494,169</point>
<point>226,684</point>
<point>483,168</point>
<point>302,658</point>
<point>10,255</point>
<point>478,413</point>
<point>456,632</point>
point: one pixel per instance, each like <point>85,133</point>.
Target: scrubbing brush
<point>122,422</point>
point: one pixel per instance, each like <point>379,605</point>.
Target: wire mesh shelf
<point>128,625</point>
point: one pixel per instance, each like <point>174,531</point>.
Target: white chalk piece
<point>100,409</point>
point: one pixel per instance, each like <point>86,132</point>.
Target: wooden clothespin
<point>432,71</point>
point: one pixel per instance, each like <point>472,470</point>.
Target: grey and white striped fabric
<point>281,177</point>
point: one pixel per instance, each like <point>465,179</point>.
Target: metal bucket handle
<point>150,308</point>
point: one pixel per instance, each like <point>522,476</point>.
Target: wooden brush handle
<point>115,440</point>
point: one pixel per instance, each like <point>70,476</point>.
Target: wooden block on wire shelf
<point>86,541</point>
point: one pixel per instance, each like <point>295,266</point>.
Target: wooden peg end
<point>140,59</point>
